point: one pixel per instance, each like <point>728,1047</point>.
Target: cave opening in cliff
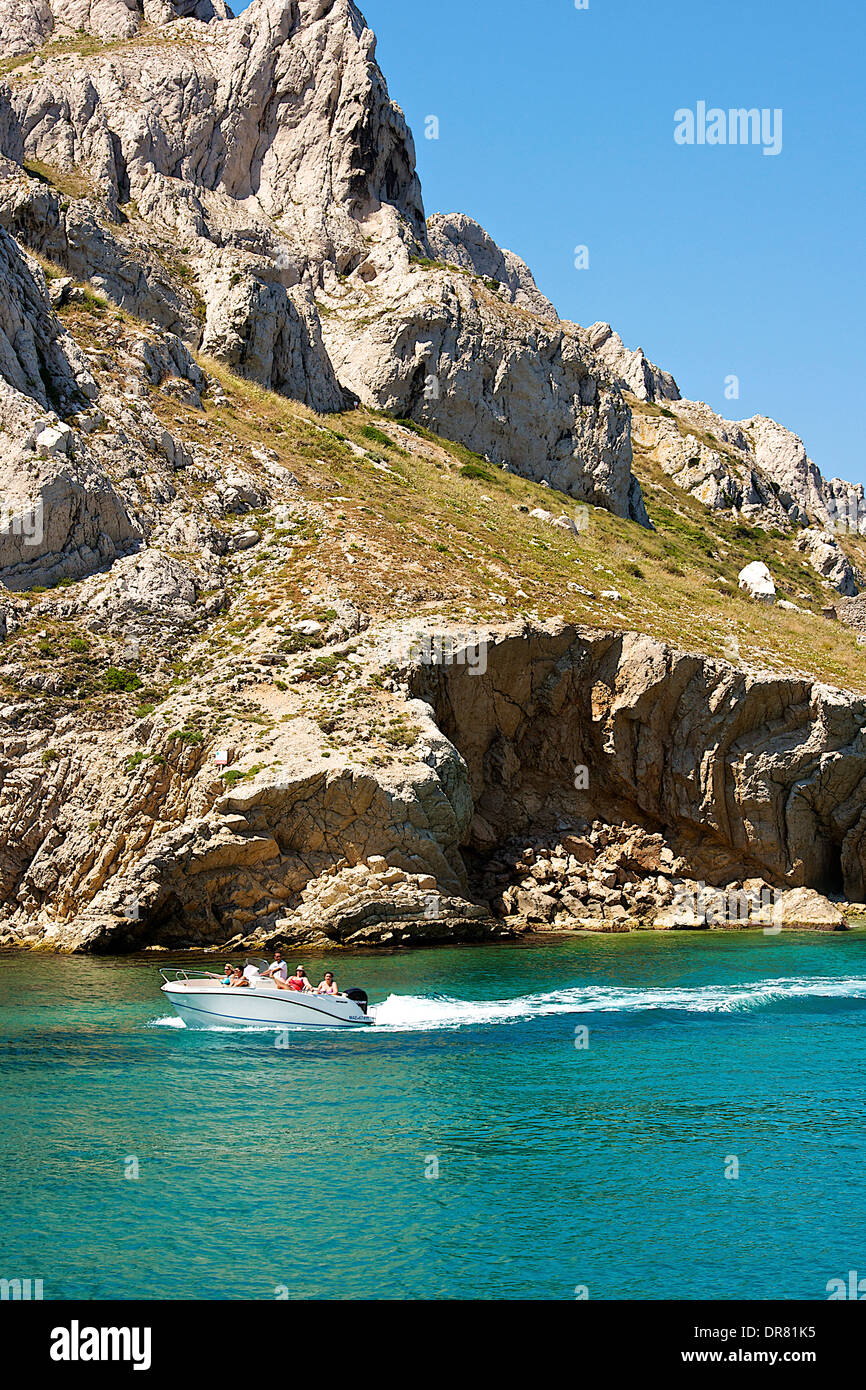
<point>832,882</point>
<point>521,725</point>
<point>169,923</point>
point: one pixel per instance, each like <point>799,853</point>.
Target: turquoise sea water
<point>310,1171</point>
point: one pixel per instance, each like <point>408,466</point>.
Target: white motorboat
<point>202,1001</point>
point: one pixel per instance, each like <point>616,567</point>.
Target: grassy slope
<point>424,532</point>
<point>422,526</point>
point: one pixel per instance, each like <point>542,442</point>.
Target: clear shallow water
<point>306,1168</point>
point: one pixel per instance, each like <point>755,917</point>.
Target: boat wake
<point>419,1013</point>
<point>172,1021</point>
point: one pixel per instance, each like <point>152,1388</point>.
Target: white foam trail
<point>233,1028</point>
<point>412,1013</point>
<point>218,1027</point>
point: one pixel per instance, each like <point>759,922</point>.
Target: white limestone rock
<point>269,150</point>
<point>61,513</point>
<point>38,359</point>
<point>781,456</point>
<point>524,392</point>
<point>805,908</point>
<point>27,24</point>
<point>145,592</point>
<point>459,241</point>
<point>272,335</point>
<point>758,469</point>
<point>827,557</point>
<point>53,439</point>
<point>758,582</point>
<point>631,370</point>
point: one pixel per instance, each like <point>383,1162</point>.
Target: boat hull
<point>210,1005</point>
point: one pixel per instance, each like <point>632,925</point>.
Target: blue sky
<point>556,130</point>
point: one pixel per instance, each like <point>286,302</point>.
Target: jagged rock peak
<point>632,371</point>
<point>266,152</point>
<point>283,109</point>
<point>754,466</point>
<point>457,240</point>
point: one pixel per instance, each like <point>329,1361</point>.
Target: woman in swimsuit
<point>299,982</point>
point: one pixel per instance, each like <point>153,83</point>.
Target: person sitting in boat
<point>238,979</point>
<point>226,976</point>
<point>328,985</point>
<point>299,982</point>
<point>278,969</point>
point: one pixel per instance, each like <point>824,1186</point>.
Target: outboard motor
<point>358,997</point>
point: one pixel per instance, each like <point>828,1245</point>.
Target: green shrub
<point>376,436</point>
<point>414,427</point>
<point>398,735</point>
<point>96,303</point>
<point>472,470</point>
<point>190,736</point>
<point>117,679</point>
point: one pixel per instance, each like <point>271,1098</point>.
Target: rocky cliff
<point>264,160</point>
<point>135,839</point>
<point>27,24</point>
<point>288,477</point>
